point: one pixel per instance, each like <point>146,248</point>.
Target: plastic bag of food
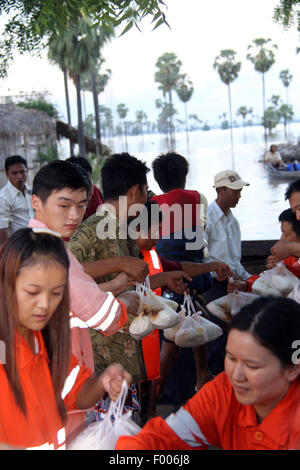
<point>195,330</point>
<point>283,279</point>
<point>240,299</point>
<point>103,435</point>
<point>169,333</point>
<point>221,307</point>
<point>278,281</point>
<point>161,314</point>
<point>229,305</point>
<point>154,312</point>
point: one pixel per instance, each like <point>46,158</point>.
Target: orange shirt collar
<point>277,424</point>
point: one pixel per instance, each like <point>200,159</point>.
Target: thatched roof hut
<point>24,132</point>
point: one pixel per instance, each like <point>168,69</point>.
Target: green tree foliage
<point>287,12</point>
<point>243,111</point>
<point>122,111</point>
<point>286,79</point>
<point>228,69</point>
<point>40,105</point>
<point>167,110</point>
<point>286,113</point>
<point>29,24</point>
<point>185,90</point>
<point>271,118</point>
<point>167,75</point>
<point>262,58</point>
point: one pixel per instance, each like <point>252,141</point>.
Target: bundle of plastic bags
<point>193,329</point>
<point>278,281</point>
<point>229,305</point>
<point>154,312</point>
<point>103,435</point>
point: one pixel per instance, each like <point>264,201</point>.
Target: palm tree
<point>96,82</point>
<point>228,69</point>
<point>184,91</point>
<point>286,78</point>
<point>141,118</point>
<point>263,59</point>
<point>122,111</point>
<point>76,56</point>
<point>287,113</point>
<point>243,111</point>
<point>167,76</point>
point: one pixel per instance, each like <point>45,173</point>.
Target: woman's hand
<point>111,380</point>
<point>132,302</point>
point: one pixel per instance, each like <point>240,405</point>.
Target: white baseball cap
<point>230,179</point>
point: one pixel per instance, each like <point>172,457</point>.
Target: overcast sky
<point>199,30</point>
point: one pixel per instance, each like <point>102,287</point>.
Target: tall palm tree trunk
<point>187,128</point>
<point>264,109</point>
<point>172,140</point>
<point>68,107</point>
<point>96,108</point>
<point>230,120</point>
<point>81,141</point>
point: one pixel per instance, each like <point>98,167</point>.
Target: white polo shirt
<point>223,236</point>
<point>15,208</point>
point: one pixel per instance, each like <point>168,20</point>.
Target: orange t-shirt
<point>41,427</point>
<point>215,417</point>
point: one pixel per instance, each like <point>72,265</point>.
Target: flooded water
<point>210,152</point>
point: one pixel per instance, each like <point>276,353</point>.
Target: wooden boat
<point>255,253</point>
<point>282,174</point>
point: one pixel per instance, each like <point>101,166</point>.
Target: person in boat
<point>290,232</point>
<point>252,405</point>
<point>273,157</point>
<point>294,165</point>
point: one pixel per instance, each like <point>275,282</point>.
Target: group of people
<point>71,258</point>
<point>274,160</point>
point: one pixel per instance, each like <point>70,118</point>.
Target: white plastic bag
<point>283,279</point>
<point>229,305</point>
<point>278,281</point>
<point>195,330</point>
<point>169,333</point>
<point>103,435</point>
<point>154,312</point>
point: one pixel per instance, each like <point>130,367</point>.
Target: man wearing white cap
<point>223,236</point>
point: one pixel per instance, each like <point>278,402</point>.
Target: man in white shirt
<point>223,236</point>
<point>273,157</point>
<point>15,198</point>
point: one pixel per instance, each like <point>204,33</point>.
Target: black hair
<point>82,162</point>
<point>58,175</point>
<point>27,248</point>
<point>170,171</point>
<point>119,173</point>
<point>274,322</point>
<point>294,187</point>
<point>14,160</point>
<point>151,214</point>
<point>289,216</point>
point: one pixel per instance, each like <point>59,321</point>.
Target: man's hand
<point>111,380</point>
<point>132,302</point>
<point>136,268</point>
<point>271,262</point>
<point>174,281</point>
<point>223,271</point>
<point>283,249</point>
<point>237,284</point>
